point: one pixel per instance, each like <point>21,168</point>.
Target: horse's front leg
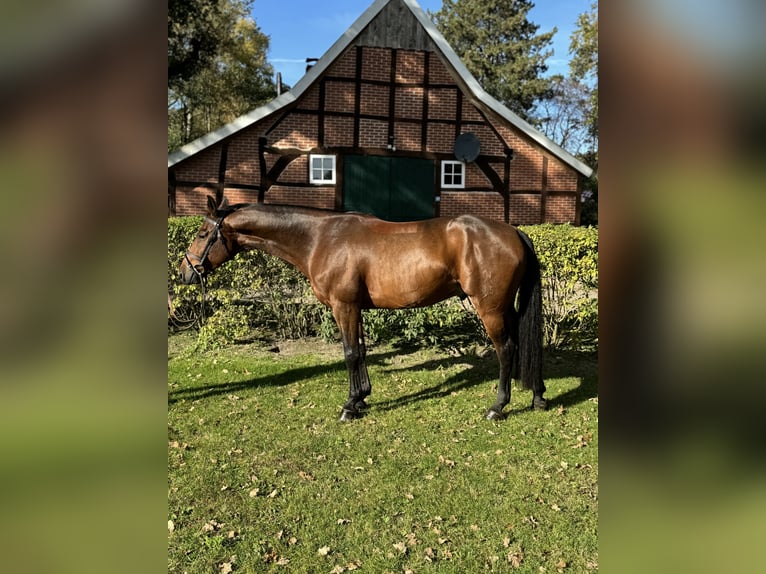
<point>349,319</point>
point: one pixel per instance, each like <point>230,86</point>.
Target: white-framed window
<point>322,169</point>
<point>453,175</point>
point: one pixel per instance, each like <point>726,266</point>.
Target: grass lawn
<point>262,477</point>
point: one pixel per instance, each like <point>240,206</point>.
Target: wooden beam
<point>424,123</point>
<point>358,94</point>
<point>544,189</point>
<point>279,166</point>
<point>222,172</point>
<point>507,184</point>
<point>497,184</point>
<point>172,192</point>
<point>262,141</point>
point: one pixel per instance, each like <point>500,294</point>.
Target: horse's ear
<point>211,206</point>
<point>224,204</point>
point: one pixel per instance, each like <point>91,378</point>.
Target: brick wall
<point>339,96</point>
<point>488,204</point>
<point>525,209</point>
<point>376,64</point>
<point>321,197</point>
<point>409,102</point>
<point>192,200</point>
<point>240,195</point>
<point>204,166</point>
<point>560,208</point>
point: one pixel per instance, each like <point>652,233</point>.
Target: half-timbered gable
<point>389,122</point>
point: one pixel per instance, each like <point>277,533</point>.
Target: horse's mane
<point>279,208</point>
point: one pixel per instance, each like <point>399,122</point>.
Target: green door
<point>392,188</point>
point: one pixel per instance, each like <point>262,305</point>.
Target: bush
<point>256,294</point>
<point>569,264</point>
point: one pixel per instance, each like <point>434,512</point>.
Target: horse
<point>356,261</point>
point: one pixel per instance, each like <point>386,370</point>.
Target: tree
<point>234,80</point>
<point>501,48</point>
<point>583,66</point>
<point>563,116</point>
<point>197,29</point>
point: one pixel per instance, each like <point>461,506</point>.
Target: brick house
<point>390,122</point>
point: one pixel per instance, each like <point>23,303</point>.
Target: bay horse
<point>356,261</point>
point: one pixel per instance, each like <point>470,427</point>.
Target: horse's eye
<point>202,234</point>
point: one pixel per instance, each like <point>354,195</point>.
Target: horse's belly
<point>407,292</point>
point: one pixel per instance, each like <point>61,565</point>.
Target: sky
<point>301,29</point>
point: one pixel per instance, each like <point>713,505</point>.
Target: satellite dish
<point>467,147</point>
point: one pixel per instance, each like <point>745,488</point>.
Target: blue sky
<point>301,29</point>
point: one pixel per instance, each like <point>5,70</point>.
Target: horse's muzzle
<point>188,274</point>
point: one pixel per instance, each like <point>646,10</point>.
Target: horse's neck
<point>285,235</point>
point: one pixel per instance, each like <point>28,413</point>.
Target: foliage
<point>262,478</point>
<point>500,47</point>
<point>564,116</point>
<point>589,211</point>
<point>451,325</point>
<point>569,260</point>
<point>231,82</point>
<point>584,63</point>
<point>257,295</point>
<point>252,291</point>
<point>197,30</point>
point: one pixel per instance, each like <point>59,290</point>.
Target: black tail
<point>531,322</point>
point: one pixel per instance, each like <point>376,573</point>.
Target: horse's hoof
<point>539,404</point>
<point>349,415</point>
<point>493,415</point>
<point>361,406</point>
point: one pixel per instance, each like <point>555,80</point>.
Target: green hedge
<point>259,296</point>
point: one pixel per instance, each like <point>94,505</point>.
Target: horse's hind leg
<point>500,332</point>
<point>349,319</point>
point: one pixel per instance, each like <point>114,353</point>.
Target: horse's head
<point>210,248</point>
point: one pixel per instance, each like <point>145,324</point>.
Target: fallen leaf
<point>306,476</point>
<point>338,569</point>
<point>225,568</point>
<point>171,526</point>
<point>401,547</point>
<point>516,558</point>
<point>555,508</point>
<point>283,561</point>
<point>323,551</point>
<point>343,521</point>
<point>560,565</point>
<point>506,542</point>
<point>273,493</point>
<point>253,493</point>
<point>292,540</point>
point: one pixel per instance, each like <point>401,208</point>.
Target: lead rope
<point>202,295</point>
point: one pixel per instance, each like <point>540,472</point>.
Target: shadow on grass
<point>475,371</point>
<point>484,370</point>
<point>280,379</point>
